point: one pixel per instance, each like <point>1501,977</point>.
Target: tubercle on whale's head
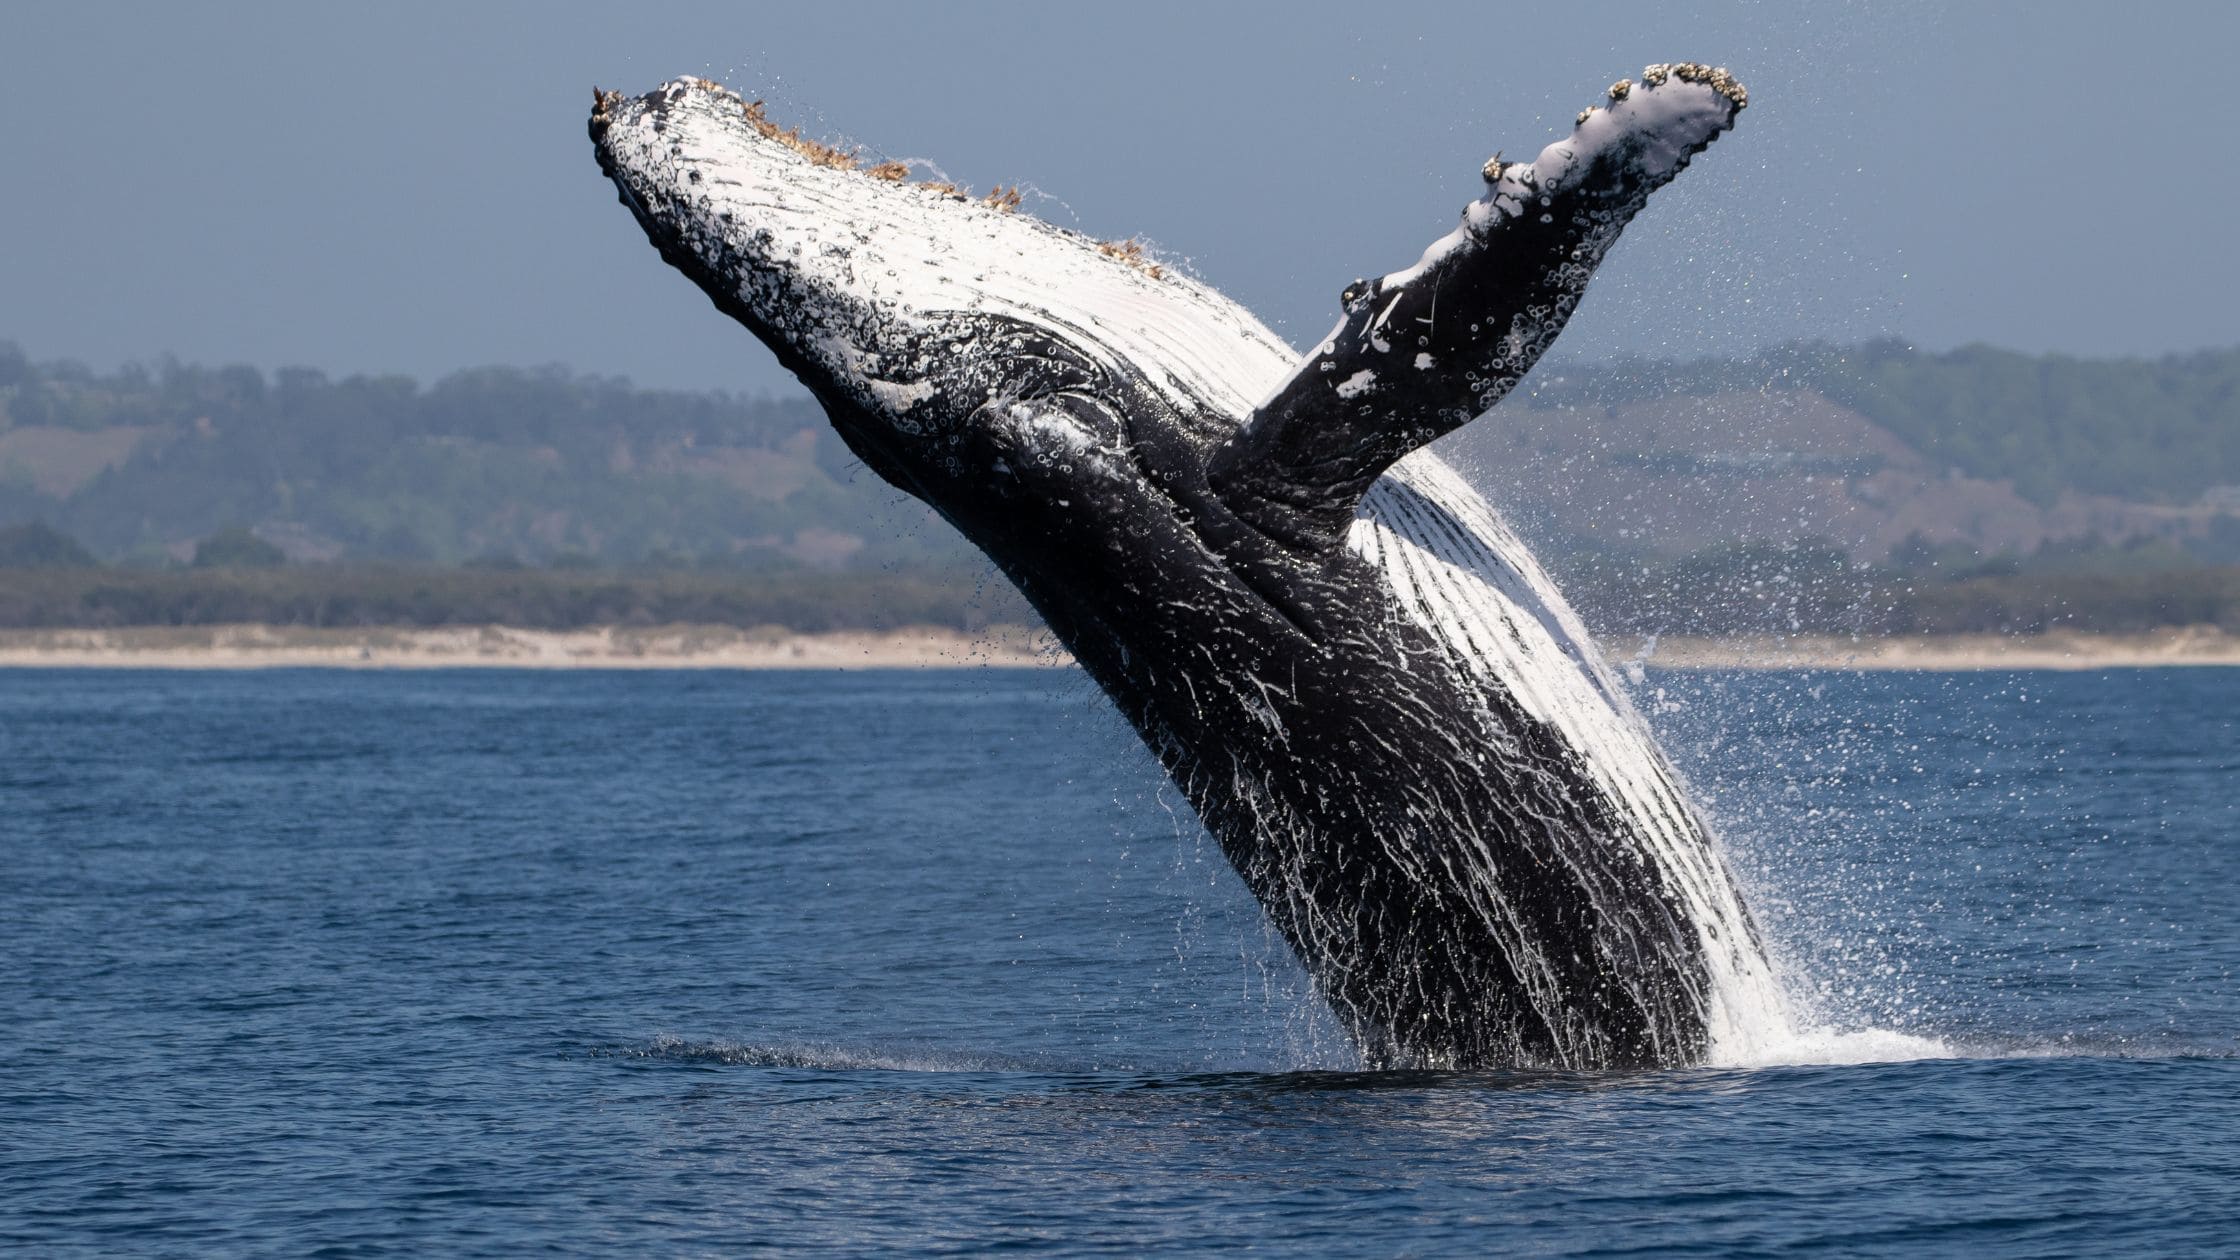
<point>918,312</point>
<point>907,306</point>
<point>786,234</point>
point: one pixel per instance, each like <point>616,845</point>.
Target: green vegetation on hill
<point>237,548</point>
<point>499,463</point>
<point>1755,589</point>
<point>538,599</point>
<point>488,463</point>
<point>2162,430</point>
<point>37,546</point>
<point>545,499</point>
<point>1813,588</point>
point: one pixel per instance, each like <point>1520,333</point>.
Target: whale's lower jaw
<point>1379,705</point>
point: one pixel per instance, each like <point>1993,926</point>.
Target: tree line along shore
<point>1742,592</point>
<point>1810,489</point>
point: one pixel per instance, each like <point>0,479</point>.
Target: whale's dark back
<point>1443,798</point>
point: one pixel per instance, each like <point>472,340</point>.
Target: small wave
<point>1815,1047</point>
<point>813,1057</point>
<point>1837,1047</point>
<point>2157,1045</point>
<point>1810,1047</point>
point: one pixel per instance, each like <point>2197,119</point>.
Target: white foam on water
<point>1824,1046</point>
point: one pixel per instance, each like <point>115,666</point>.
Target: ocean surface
<point>358,964</point>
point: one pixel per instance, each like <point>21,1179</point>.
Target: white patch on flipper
<point>1359,383</point>
<point>1660,123</point>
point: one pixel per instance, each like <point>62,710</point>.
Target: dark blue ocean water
<point>319,963</point>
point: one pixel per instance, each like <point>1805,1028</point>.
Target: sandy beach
<point>926,647</point>
<point>613,647</point>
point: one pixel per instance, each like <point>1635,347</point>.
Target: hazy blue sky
<point>408,188</point>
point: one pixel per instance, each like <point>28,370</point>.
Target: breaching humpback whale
<point>1372,695</point>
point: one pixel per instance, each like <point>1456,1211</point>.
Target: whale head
<point>915,311</point>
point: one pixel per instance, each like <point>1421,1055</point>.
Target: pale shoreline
<point>506,647</point>
<point>1010,647</point>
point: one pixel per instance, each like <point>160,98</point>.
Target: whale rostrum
<point>1374,698</point>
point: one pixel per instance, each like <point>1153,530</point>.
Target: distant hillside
<point>1889,454</point>
<point>496,464</point>
<point>2159,430</point>
<point>1885,454</point>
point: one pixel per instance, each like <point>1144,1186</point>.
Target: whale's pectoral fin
<point>1422,351</point>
